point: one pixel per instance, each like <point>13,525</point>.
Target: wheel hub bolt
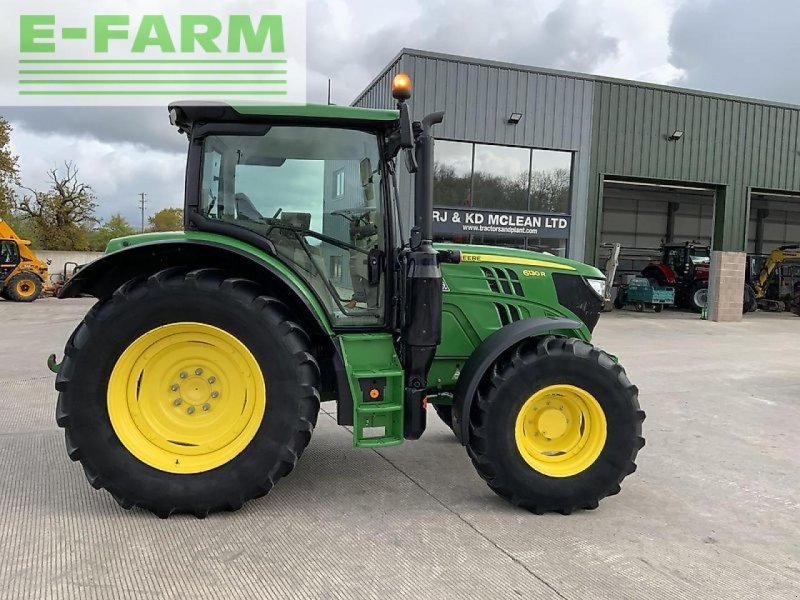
<point>174,387</point>
<point>184,374</point>
<point>190,410</point>
<point>212,379</point>
<point>206,406</point>
<point>215,394</point>
<point>177,401</point>
<point>198,371</point>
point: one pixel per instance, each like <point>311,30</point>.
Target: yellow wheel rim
<point>560,430</point>
<point>186,398</point>
<point>26,288</point>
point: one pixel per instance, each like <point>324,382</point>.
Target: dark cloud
<point>146,126</point>
<point>739,47</point>
<point>571,36</point>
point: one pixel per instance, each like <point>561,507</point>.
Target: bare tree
<point>62,214</point>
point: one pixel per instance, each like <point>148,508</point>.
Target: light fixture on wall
<point>676,135</point>
<point>515,118</point>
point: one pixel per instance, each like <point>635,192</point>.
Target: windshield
<point>315,193</point>
<point>700,256</point>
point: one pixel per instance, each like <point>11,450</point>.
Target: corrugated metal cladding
<point>615,128</point>
<point>478,97</point>
<point>731,142</point>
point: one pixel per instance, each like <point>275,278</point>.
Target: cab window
<point>9,252</point>
<point>316,195</point>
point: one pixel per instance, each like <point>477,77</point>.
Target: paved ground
<point>713,511</point>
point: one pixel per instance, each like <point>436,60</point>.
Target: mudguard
<point>487,353</point>
<point>660,272</point>
<point>102,277</point>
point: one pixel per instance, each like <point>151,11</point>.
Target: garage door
<point>641,217</point>
<point>779,218</point>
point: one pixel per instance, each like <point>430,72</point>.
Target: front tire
<point>557,426</point>
<point>23,287</point>
<point>187,392</point>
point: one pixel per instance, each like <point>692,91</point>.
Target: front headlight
<point>599,286</point>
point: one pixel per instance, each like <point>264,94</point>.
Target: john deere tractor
<point>194,383</point>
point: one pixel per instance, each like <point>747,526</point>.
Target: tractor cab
<point>315,196</point>
<point>9,257</point>
<point>687,259</point>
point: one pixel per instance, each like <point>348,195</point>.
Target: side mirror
<point>366,181</point>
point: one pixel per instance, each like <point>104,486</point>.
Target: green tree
<point>9,171</point>
<point>61,216</point>
<point>168,219</point>
<point>115,227</point>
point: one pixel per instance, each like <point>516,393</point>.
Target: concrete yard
<point>713,511</point>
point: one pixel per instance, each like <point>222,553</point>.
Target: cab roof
<point>190,113</point>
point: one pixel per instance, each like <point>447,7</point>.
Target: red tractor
<point>685,266</point>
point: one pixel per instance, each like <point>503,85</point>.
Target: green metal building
<point>607,160</point>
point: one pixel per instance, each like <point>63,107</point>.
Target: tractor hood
<point>522,258</point>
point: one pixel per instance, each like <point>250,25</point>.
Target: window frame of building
<point>339,179</point>
<point>529,241</point>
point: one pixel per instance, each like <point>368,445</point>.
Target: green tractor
<point>194,383</point>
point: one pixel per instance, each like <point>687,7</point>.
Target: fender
<point>487,353</point>
<point>102,277</point>
<point>660,272</point>
<point>702,272</point>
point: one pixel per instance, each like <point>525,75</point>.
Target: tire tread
<point>241,290</point>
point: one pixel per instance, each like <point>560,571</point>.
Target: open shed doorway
<point>774,224</point>
<point>641,216</point>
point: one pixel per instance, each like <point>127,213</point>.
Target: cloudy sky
<point>738,47</point>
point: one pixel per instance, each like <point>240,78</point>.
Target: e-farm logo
<point>157,52</point>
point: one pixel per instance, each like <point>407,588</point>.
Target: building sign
<point>472,221</point>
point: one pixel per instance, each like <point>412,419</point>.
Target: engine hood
<point>511,256</point>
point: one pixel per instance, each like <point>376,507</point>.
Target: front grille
<point>576,295</point>
<point>503,281</point>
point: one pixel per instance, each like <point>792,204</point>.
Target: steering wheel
<point>353,214</point>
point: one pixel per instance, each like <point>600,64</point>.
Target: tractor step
<point>376,383</point>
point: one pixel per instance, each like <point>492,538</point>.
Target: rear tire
<point>535,367</point>
<point>236,307</point>
<point>23,287</point>
<point>698,296</point>
<point>658,308</point>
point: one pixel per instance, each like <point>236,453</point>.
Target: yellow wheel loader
<point>22,273</point>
